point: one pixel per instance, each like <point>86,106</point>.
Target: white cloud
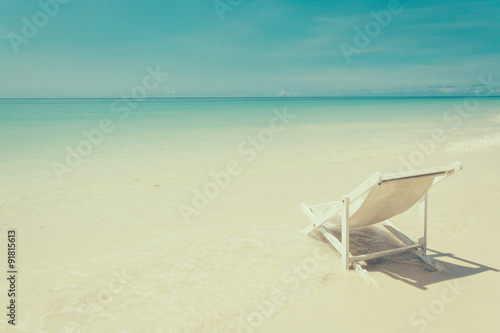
<point>287,93</point>
<point>447,90</point>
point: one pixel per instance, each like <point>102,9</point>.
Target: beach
<point>182,215</point>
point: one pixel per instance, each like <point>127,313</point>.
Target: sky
<point>239,48</point>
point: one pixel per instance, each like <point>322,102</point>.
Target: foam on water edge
<point>475,143</point>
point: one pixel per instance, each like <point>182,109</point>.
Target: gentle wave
<point>475,143</point>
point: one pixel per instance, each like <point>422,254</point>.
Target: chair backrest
<point>390,198</point>
<point>391,195</point>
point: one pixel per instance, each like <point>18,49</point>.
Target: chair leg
<point>430,261</point>
<point>419,252</point>
<point>345,232</point>
<point>422,217</point>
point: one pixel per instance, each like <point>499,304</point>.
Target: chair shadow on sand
<point>407,267</point>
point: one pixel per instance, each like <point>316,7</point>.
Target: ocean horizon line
<point>255,97</point>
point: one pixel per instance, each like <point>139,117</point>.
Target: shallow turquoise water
<point>38,121</point>
<point>180,133</point>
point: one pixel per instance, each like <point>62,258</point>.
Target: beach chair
<point>376,200</point>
